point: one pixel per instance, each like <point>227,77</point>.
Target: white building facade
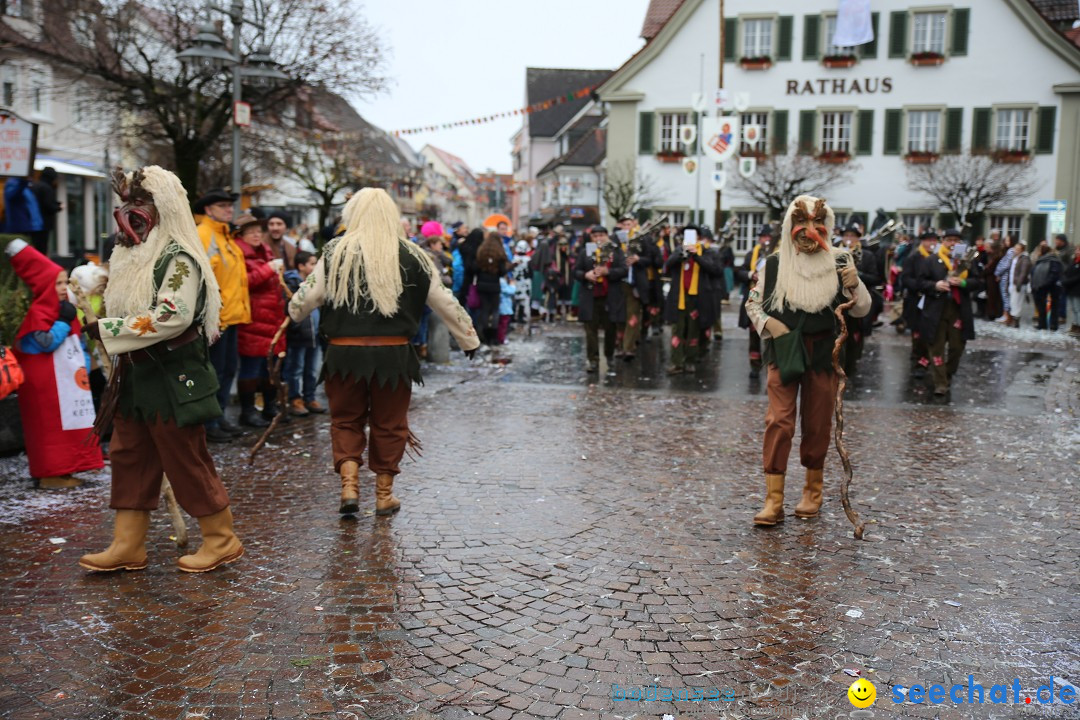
<point>941,78</point>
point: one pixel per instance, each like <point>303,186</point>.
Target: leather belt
<point>370,341</point>
<point>188,336</point>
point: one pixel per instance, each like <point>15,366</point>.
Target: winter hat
<point>39,273</point>
<point>431,227</point>
<point>90,277</point>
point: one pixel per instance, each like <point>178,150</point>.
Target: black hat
<point>953,232</point>
<point>852,228</point>
<point>247,220</point>
<point>455,226</point>
<point>928,235</point>
<point>279,215</point>
<point>765,230</point>
<point>215,195</point>
<point>598,229</point>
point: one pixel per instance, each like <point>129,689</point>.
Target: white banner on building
<point>689,165</point>
<point>853,23</point>
<point>742,101</point>
<point>751,134</point>
<point>687,134</point>
<point>720,136</point>
<point>747,166</point>
<point>719,179</point>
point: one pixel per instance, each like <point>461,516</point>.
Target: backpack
<point>11,375</point>
<point>1046,272</point>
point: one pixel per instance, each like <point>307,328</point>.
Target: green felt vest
<point>386,365</point>
<point>179,385</point>
<point>823,321</point>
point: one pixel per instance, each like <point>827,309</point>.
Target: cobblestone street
<point>557,539</point>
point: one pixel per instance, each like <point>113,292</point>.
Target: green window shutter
<point>811,36</point>
<point>807,126</point>
<point>865,141</point>
<point>869,50</point>
<point>1036,229</point>
<point>778,132</point>
<point>731,32</point>
<point>980,130</point>
<point>954,130</point>
<point>701,217</point>
<point>961,24</point>
<point>783,46</point>
<point>1044,128</point>
<point>894,122</point>
<point>947,220</point>
<point>692,148</point>
<point>898,21</point>
<point>646,135</point>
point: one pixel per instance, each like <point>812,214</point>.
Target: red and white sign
<point>18,144</point>
<point>242,114</point>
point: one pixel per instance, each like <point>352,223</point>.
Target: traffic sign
<point>242,114</point>
<point>1055,210</point>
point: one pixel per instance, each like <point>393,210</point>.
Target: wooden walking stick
<point>274,363</point>
<point>179,526</point>
<point>838,432</point>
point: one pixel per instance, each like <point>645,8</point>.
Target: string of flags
<point>527,110</point>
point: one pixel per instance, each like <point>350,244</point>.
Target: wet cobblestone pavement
<point>559,538</point>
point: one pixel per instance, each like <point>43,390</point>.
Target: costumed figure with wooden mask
<point>163,306</point>
<point>372,285</point>
<point>792,306</point>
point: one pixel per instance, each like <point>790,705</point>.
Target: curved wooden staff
<point>282,390</point>
<point>838,430</point>
<point>179,526</point>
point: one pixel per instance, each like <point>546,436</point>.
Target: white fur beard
<point>131,289</point>
<point>804,282</point>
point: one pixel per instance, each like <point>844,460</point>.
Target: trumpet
<point>888,228</point>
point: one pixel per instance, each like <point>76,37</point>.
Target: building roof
<point>1058,11</point>
<point>334,113</point>
<point>587,151</point>
<point>549,83</point>
<point>659,12</point>
<point>459,167</point>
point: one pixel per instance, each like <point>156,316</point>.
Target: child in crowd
<point>302,345</point>
<point>506,309</point>
<point>55,401</point>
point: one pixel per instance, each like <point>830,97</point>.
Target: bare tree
<point>779,179</point>
<point>133,47</point>
<point>628,191</point>
<point>967,185</point>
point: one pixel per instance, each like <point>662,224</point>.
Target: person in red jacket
<point>267,314</point>
<point>54,400</point>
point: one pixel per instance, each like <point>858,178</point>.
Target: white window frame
<point>836,138</point>
<point>1014,140</point>
<point>746,235</point>
<point>19,9</point>
<point>9,74</point>
<point>668,132</point>
<point>762,118</point>
<point>760,47</point>
<point>921,138</point>
<point>1009,223</point>
<point>826,40</point>
<point>917,220</point>
<point>38,93</point>
<point>924,34</point>
<point>676,215</point>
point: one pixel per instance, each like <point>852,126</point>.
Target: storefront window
<point>73,206</point>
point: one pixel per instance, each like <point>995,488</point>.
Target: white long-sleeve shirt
<point>758,316</point>
<point>312,294</point>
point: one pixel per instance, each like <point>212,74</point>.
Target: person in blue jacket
<point>302,346</point>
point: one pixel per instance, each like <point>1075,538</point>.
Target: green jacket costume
<point>162,355</point>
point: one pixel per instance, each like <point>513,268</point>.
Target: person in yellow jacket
<point>227,262</point>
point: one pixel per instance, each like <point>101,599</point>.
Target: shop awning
<point>66,168</point>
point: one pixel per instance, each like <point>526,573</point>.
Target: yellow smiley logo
<point>862,693</point>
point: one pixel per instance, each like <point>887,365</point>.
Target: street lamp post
<point>208,54</point>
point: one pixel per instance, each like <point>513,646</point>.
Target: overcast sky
<point>459,59</point>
